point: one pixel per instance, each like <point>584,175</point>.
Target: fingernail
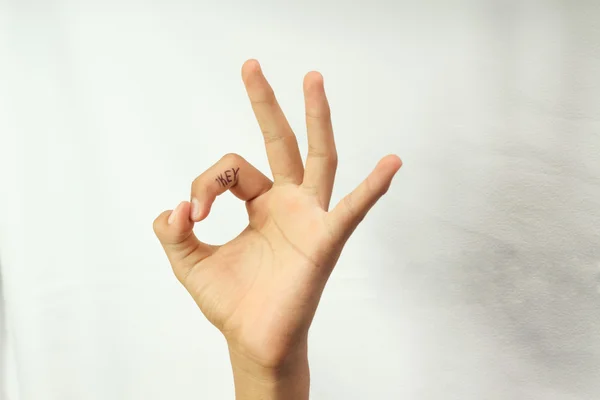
<point>195,208</point>
<point>173,214</point>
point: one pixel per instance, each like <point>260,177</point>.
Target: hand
<point>262,288</point>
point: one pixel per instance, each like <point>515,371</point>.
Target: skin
<point>262,288</point>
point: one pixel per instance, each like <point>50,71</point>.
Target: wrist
<point>288,379</point>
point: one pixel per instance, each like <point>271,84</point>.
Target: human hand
<point>262,288</point>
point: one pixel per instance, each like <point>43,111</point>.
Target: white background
<point>477,277</point>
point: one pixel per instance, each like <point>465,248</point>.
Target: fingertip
<point>204,213</point>
<point>170,225</point>
<point>250,67</point>
<point>175,214</point>
<point>313,79</point>
<point>391,161</point>
<point>195,209</point>
<point>198,210</point>
<point>380,179</point>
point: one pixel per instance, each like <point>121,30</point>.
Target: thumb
<point>183,249</point>
<point>353,208</point>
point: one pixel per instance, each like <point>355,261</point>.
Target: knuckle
<point>319,113</point>
<point>333,160</point>
<point>385,189</point>
<point>270,137</point>
<point>231,158</point>
<point>313,113</point>
<point>330,157</point>
<point>349,205</point>
<point>281,179</point>
<point>310,189</point>
<point>264,96</point>
<point>228,160</point>
<point>288,138</point>
<point>315,153</point>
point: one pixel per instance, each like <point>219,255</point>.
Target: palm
<point>261,281</point>
<point>262,288</point>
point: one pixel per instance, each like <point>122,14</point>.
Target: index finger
<point>232,172</point>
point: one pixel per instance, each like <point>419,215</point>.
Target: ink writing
<point>229,176</point>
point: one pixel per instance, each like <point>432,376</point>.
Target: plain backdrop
<point>477,277</point>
